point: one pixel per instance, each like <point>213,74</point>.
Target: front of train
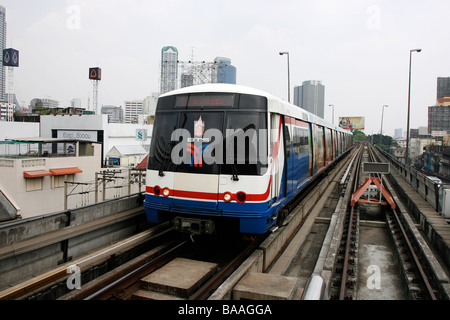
<point>208,163</point>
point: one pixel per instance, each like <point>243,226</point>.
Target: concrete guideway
<point>41,245</point>
<point>266,263</point>
<point>274,255</point>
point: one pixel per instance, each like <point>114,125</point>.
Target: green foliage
<point>359,136</point>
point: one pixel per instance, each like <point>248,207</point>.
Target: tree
<point>359,136</point>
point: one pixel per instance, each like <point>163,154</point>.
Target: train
<point>230,156</point>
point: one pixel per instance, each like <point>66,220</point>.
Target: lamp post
<point>289,81</point>
<point>381,131</point>
<point>332,119</point>
<point>409,100</point>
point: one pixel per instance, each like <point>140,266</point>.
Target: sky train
<point>228,155</point>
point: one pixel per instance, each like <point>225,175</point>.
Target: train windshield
<point>227,134</point>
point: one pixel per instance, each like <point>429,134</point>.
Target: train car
<point>225,153</point>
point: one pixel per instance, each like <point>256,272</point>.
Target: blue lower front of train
<point>250,218</point>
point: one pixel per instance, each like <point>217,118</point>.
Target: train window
<point>319,146</point>
<point>301,137</point>
<point>161,145</point>
<point>248,101</point>
<point>211,100</point>
<point>165,103</point>
<point>245,144</point>
<point>199,153</point>
<point>181,101</point>
<point>287,141</point>
<point>328,144</point>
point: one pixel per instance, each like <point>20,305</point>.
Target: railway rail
<point>420,273</point>
<point>44,285</point>
<point>127,286</point>
<point>52,284</point>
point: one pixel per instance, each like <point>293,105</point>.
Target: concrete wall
<point>13,130</point>
<point>26,265</point>
<point>425,187</point>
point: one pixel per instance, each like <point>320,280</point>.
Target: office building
<point>169,69</point>
<point>438,119</point>
<point>398,133</point>
<point>311,97</point>
<point>6,111</point>
<point>115,114</point>
<point>223,71</point>
<point>443,87</point>
<point>133,109</point>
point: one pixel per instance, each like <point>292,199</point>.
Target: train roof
<point>276,105</point>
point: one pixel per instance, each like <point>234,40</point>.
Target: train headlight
<point>227,197</point>
<point>166,192</point>
<point>241,197</point>
<point>157,190</point>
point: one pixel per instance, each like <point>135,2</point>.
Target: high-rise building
<point>115,114</point>
<point>2,47</point>
<point>223,71</point>
<point>443,87</point>
<point>133,109</point>
<point>438,119</point>
<point>398,133</point>
<point>311,97</point>
<point>169,69</point>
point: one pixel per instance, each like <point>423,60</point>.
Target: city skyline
<point>359,50</point>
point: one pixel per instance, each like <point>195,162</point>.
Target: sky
<point>359,49</point>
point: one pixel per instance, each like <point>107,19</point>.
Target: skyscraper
<point>223,71</point>
<point>311,97</point>
<point>2,47</point>
<point>443,87</point>
<point>169,69</point>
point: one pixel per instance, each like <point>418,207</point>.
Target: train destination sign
<point>206,100</point>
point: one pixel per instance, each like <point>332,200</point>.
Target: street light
<point>332,119</point>
<point>409,100</point>
<point>381,131</point>
<point>289,81</point>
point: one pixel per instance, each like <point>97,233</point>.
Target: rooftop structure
<point>34,173</point>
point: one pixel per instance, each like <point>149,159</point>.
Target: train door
<point>277,157</point>
<point>319,147</point>
<point>302,154</point>
<point>289,154</point>
<point>328,146</point>
<point>312,158</point>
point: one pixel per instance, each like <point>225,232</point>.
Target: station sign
<point>78,135</point>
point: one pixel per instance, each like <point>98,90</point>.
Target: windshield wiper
<point>234,172</point>
<point>166,160</point>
